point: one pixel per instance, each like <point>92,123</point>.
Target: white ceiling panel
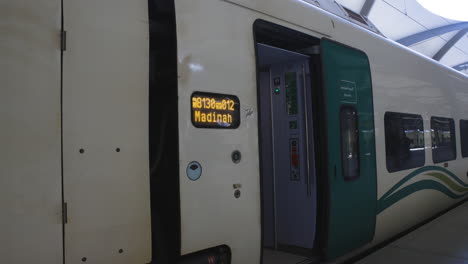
<point>423,16</point>
<point>454,57</point>
<point>392,22</point>
<point>462,44</point>
<point>397,19</point>
<point>429,47</point>
<point>398,4</point>
<point>448,36</point>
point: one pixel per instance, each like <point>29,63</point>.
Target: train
<point>218,131</point>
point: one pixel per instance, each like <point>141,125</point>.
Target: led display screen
<point>212,110</point>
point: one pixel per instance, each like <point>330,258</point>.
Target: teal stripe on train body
<point>388,199</point>
<point>419,171</point>
<point>383,204</point>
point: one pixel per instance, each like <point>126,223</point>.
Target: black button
<point>236,156</point>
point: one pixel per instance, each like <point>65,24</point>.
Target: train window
<point>443,139</point>
<point>464,137</point>
<point>404,141</point>
<point>349,142</point>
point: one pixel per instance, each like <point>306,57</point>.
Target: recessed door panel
<point>292,156</point>
<point>30,160</point>
<point>351,148</point>
<point>105,132</point>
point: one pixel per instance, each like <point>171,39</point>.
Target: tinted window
<point>464,137</point>
<point>404,141</point>
<point>349,142</point>
<point>443,139</point>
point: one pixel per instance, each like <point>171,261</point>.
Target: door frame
<point>319,135</point>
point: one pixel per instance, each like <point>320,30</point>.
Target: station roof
<point>410,24</point>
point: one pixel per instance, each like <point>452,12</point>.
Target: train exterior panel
<point>402,81</point>
<point>30,185</point>
<point>106,161</point>
<point>74,119</point>
<point>105,132</point>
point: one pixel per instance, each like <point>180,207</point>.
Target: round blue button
<point>194,170</point>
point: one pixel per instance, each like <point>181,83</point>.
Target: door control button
<point>194,170</point>
<point>236,156</point>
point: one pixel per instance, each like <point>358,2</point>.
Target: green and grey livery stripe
<point>452,184</point>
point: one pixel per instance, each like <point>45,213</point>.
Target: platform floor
<point>441,241</point>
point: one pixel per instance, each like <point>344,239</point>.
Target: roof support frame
<point>367,7</point>
<point>441,53</point>
<point>424,35</point>
<point>461,66</point>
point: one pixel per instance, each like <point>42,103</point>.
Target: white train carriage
<point>213,131</point>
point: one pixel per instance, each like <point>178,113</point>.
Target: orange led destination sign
<point>212,110</point>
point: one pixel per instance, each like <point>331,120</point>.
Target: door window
<point>349,142</point>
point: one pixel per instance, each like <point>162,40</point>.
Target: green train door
<point>352,185</point>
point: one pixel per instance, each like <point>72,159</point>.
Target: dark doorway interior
<point>288,68</point>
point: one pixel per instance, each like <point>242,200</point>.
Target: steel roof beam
<point>449,44</point>
<point>421,36</point>
<point>367,7</point>
<point>462,66</point>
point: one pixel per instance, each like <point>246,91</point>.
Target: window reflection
<point>464,137</point>
<point>443,139</point>
<point>349,143</point>
<point>404,141</point>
